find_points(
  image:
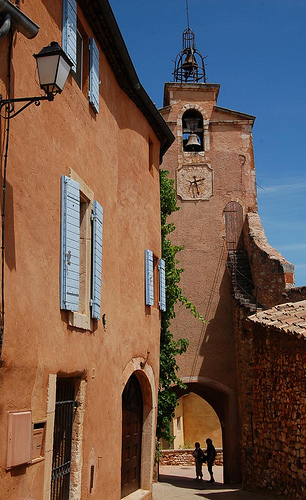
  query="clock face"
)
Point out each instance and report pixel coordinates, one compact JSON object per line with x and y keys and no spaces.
{"x":194,"y":182}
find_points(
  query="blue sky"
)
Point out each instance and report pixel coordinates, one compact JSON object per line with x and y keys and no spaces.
{"x":256,"y":50}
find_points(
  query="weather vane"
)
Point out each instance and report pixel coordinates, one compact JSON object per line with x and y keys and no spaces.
{"x":187,"y":10}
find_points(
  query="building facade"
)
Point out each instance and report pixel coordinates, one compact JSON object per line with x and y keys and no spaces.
{"x":80,"y":345}
{"x":229,"y":268}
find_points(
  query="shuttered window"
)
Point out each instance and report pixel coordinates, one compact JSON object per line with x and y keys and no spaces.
{"x":162,"y":285}
{"x":97,"y":230}
{"x":94,"y":75}
{"x":149,"y":278}
{"x":70,"y":243}
{"x":69,"y":30}
{"x":81,"y":263}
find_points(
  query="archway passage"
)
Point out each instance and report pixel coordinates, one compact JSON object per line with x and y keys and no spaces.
{"x":195,"y":420}
{"x":132,"y":411}
{"x":225,"y":404}
{"x":233,"y":213}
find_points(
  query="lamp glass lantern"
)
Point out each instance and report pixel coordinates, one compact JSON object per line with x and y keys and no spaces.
{"x":53,"y":66}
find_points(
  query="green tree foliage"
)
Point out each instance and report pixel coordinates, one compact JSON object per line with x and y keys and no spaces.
{"x":170,"y":348}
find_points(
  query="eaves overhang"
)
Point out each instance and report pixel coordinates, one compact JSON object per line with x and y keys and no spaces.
{"x":242,"y":116}
{"x":107,"y":33}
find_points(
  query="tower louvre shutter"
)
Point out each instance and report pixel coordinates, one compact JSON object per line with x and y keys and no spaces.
{"x":70,"y":243}
{"x":69,"y":39}
{"x":97,"y":232}
{"x":149,"y":279}
{"x":162,"y":285}
{"x":94,"y":75}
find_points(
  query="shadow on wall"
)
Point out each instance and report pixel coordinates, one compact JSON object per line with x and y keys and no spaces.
{"x":9,"y":242}
{"x":217,"y":348}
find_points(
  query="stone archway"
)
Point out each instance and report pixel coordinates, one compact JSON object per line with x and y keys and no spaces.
{"x":224,"y":402}
{"x":195,"y":420}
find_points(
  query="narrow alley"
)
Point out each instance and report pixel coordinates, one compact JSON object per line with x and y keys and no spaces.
{"x":177,"y":483}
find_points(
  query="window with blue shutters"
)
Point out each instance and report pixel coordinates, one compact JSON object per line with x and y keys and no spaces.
{"x":149,"y":269}
{"x":69,"y":30}
{"x":81,"y":252}
{"x":162,"y":285}
{"x":70,"y":242}
{"x":94,"y":80}
{"x":97,"y":230}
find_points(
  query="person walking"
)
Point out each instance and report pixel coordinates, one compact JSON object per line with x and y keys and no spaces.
{"x":198,"y":457}
{"x":210,"y":456}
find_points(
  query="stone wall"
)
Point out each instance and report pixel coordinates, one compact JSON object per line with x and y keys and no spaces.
{"x":279,"y":412}
{"x":184,"y":457}
{"x":244,"y":371}
{"x":272,"y":273}
{"x":294,"y":294}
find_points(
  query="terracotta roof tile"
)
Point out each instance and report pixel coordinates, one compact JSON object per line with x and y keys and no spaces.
{"x":289,"y":317}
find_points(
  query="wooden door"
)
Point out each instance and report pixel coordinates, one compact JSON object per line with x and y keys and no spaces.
{"x":233,"y":213}
{"x":132,"y":410}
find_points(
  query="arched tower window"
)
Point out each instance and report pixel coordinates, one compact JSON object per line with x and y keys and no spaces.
{"x":192,"y":122}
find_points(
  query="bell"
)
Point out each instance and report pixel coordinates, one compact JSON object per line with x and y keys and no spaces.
{"x":193,"y":143}
{"x":189,"y":62}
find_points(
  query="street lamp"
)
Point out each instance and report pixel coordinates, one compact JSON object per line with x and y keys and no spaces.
{"x":53,"y":69}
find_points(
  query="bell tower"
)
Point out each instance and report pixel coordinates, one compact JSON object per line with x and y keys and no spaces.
{"x":212,"y":164}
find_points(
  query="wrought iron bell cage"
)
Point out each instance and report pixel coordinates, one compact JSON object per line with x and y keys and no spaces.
{"x":189,"y":63}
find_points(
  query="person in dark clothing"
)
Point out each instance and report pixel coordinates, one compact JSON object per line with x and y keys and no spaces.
{"x":198,"y":457}
{"x":211,"y":455}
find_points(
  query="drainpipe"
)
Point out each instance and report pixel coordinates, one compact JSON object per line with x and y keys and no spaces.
{"x":6,"y":25}
{"x":19,"y":20}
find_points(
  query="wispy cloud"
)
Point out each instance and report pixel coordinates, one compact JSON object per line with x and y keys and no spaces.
{"x":292,"y":246}
{"x":300,"y":266}
{"x":282,"y":188}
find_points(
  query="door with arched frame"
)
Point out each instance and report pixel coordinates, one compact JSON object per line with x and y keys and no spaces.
{"x":132,"y":417}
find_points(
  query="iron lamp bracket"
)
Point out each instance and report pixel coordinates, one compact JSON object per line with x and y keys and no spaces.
{"x":9,"y":104}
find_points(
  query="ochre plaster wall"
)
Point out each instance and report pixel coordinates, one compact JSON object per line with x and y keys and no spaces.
{"x":110,"y":152}
{"x":200,"y":422}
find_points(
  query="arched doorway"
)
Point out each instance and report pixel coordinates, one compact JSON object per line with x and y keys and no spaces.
{"x":132,"y":414}
{"x":195,"y":420}
{"x":233,"y":213}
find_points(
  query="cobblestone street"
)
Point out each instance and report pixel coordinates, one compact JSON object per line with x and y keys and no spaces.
{"x":177,"y":483}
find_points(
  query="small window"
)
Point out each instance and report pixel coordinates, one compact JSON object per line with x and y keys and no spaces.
{"x":155,"y":289}
{"x":78,"y":72}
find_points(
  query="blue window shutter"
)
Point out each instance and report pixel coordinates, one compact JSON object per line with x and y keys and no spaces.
{"x":97,"y":231}
{"x":70,"y":244}
{"x":69,"y":39}
{"x":149,"y":279}
{"x":162,"y":285}
{"x":94,"y":81}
